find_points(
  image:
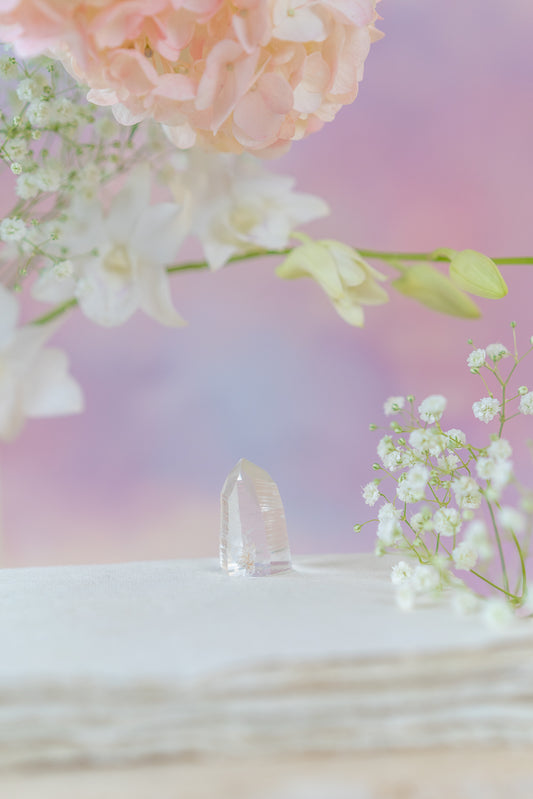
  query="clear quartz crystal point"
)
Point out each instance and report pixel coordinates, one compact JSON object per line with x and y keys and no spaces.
{"x":253,"y":532}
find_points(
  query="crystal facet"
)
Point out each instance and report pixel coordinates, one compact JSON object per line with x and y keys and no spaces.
{"x":253,"y":532}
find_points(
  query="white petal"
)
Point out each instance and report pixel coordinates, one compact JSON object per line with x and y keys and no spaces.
{"x":217,"y":253}
{"x":9,"y":311}
{"x":26,"y":344}
{"x":305,"y":207}
{"x":351,"y":270}
{"x":155,"y":298}
{"x":350,"y":312}
{"x":275,"y":186}
{"x":11,"y":415}
{"x":128,"y":205}
{"x":182,"y":136}
{"x":105,"y":298}
{"x":368,"y":293}
{"x":313,"y":260}
{"x":274,"y":232}
{"x":124,"y":116}
{"x":278,"y":223}
{"x":85,"y":229}
{"x":49,"y":390}
{"x":102,"y":97}
{"x":159,"y":234}
{"x":49,"y":288}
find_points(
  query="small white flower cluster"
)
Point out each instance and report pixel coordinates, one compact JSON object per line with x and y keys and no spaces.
{"x":526,"y":403}
{"x":493,"y":352}
{"x":12,"y":229}
{"x":58,"y":147}
{"x":489,"y":408}
{"x":442,"y":500}
{"x":412,"y":582}
{"x":393,"y":405}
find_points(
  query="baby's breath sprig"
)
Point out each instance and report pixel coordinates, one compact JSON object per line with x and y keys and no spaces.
{"x":445,"y":502}
{"x":57,"y":147}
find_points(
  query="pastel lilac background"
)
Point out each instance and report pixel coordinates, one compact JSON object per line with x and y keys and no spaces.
{"x":436,"y":151}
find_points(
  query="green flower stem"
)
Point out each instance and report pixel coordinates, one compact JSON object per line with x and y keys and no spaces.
{"x":55,"y":312}
{"x":376,"y":254}
{"x":504,"y":385}
{"x":379,"y":255}
{"x":497,"y":587}
{"x":463,"y":464}
{"x":522,"y":565}
{"x":500,"y":547}
{"x":526,"y":353}
{"x":513,"y":416}
{"x":412,"y":547}
{"x":133,"y":131}
{"x":235,"y":259}
{"x":440,"y":503}
{"x":513,"y":261}
{"x":429,"y":256}
{"x":485,"y":384}
{"x":481,"y":577}
{"x":502,"y":412}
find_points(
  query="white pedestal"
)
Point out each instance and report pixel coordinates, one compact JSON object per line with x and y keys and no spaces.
{"x":166,"y":661}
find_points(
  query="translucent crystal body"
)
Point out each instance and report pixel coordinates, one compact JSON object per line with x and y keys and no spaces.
{"x":253,"y":531}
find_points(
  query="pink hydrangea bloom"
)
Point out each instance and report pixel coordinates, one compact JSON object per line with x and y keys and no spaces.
{"x":227,"y":74}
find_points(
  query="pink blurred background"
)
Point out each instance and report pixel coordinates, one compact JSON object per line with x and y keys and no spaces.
{"x":436,"y":151}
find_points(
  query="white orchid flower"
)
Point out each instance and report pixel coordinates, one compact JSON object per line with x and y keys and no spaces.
{"x":235,"y":207}
{"x":34,"y":380}
{"x":117,"y":261}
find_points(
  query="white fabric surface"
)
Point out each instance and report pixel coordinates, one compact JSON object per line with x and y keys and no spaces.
{"x":179,"y":620}
{"x":123,"y":662}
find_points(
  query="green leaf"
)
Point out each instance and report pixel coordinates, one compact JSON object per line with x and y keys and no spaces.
{"x":430,"y":287}
{"x":477,"y":274}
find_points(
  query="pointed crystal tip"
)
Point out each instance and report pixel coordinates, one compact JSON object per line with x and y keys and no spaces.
{"x":253,"y":531}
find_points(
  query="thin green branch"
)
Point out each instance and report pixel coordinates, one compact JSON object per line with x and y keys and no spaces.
{"x":513,"y":261}
{"x":375,"y":254}
{"x":502,"y":412}
{"x":234,"y":259}
{"x":500,"y":547}
{"x":497,"y":587}
{"x":55,"y":312}
{"x":522,"y":565}
{"x":379,"y":255}
{"x":429,"y":256}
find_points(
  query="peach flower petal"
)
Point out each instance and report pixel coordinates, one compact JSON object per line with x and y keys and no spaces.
{"x":224,"y":74}
{"x":259,"y":116}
